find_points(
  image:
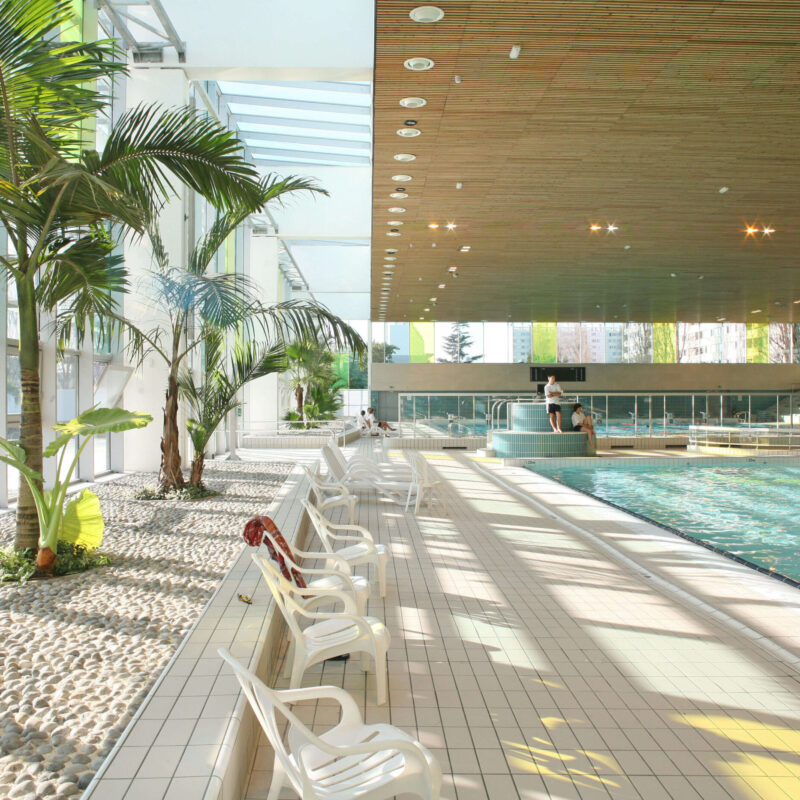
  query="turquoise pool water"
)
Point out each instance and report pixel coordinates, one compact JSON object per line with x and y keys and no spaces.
{"x":750,"y":510}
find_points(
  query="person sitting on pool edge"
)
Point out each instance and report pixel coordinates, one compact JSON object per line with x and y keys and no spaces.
{"x":378,"y":423}
{"x":583,"y":422}
{"x":552,"y":393}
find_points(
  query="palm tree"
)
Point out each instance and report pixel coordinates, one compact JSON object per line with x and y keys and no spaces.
{"x":310,"y":363}
{"x":191,"y":294}
{"x":216,"y":394}
{"x":58,"y":200}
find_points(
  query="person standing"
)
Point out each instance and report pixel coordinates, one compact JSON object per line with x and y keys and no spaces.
{"x":552,"y":396}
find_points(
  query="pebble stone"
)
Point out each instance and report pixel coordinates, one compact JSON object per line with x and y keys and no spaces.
{"x":81,"y":652}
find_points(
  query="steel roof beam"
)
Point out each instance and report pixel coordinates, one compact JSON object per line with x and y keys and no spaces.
{"x":287,"y":122}
{"x":318,"y":157}
{"x":288,"y":139}
{"x":297,"y":105}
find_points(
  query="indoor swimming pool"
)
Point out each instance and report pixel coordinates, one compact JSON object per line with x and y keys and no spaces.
{"x":747,"y":509}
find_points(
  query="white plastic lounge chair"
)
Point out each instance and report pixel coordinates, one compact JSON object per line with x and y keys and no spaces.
{"x":329,"y":634}
{"x":361,"y":550}
{"x":351,"y":760}
{"x":360,"y":463}
{"x":330,"y":495}
{"x":359,"y":478}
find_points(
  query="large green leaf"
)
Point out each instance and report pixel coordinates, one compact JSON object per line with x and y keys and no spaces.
{"x":83,"y":524}
{"x":97,"y":421}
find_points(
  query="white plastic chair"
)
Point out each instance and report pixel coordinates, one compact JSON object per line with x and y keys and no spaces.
{"x":329,"y":634}
{"x":424,"y":485}
{"x":358,"y":463}
{"x":362,"y":549}
{"x":351,"y":760}
{"x":333,"y":581}
{"x":330,"y":495}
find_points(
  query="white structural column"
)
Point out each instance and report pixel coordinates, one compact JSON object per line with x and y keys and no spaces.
{"x":261,"y":397}
{"x":147,"y":387}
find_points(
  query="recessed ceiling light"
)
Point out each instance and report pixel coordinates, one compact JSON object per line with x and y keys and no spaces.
{"x":459,"y":185}
{"x":451,"y":226}
{"x":442,"y":285}
{"x":433,"y":244}
{"x":433,"y":224}
{"x":397,"y":210}
{"x":434,"y":299}
{"x":401,"y":178}
{"x":720,"y":319}
{"x":515,"y":51}
{"x":398,"y":196}
{"x":796,"y":301}
{"x":750,"y":230}
{"x":426,"y":309}
{"x":410,"y":122}
{"x":452,"y":269}
{"x":413,"y":102}
{"x":673,"y":275}
{"x":595,"y":227}
{"x":700,"y":277}
{"x":426,"y":14}
{"x":611,"y":227}
{"x":390,"y":250}
{"x":409,"y":133}
{"x":465,"y":248}
{"x":419,"y":63}
{"x":723,"y":189}
{"x":627,"y":247}
{"x":422,"y":317}
{"x":404,"y":157}
{"x":767,"y":231}
{"x":390,"y":258}
{"x":457,"y":78}
{"x":756,"y":311}
{"x":395,"y":222}
{"x":392,"y":233}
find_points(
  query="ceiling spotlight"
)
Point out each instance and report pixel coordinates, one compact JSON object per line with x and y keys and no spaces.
{"x":422,"y":317}
{"x":767,"y":231}
{"x":404,"y":157}
{"x":451,"y":226}
{"x":720,"y":319}
{"x":427,"y":308}
{"x":611,"y":227}
{"x":434,"y":299}
{"x":409,"y":133}
{"x":595,"y":227}
{"x":459,"y":185}
{"x":756,"y":311}
{"x":452,"y":269}
{"x":515,"y":51}
{"x":395,"y":222}
{"x":398,"y":196}
{"x":426,"y":14}
{"x":673,"y":275}
{"x":723,"y":189}
{"x":750,"y":230}
{"x":401,"y":178}
{"x":397,"y":210}
{"x":442,"y":285}
{"x":392,"y":233}
{"x":465,"y":248}
{"x":418,"y":64}
{"x":433,"y":224}
{"x":796,"y":301}
{"x":390,"y":250}
{"x":627,"y":247}
{"x":457,"y":78}
{"x":390,"y":258}
{"x":433,"y":244}
{"x":700,"y":277}
{"x":413,"y":102}
{"x":410,"y":122}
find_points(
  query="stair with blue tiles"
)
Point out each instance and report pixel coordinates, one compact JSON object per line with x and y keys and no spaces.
{"x":531,"y":436}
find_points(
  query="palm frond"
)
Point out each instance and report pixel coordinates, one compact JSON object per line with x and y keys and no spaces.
{"x":150,"y":146}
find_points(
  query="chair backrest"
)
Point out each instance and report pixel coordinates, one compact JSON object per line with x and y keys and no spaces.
{"x":334,"y":467}
{"x":282,"y":590}
{"x":314,"y":481}
{"x":320,"y":524}
{"x":267,"y":705}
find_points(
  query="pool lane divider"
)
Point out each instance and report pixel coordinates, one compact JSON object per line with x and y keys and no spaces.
{"x":758,"y":639}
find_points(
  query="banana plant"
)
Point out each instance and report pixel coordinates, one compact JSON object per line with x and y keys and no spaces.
{"x":81,"y":522}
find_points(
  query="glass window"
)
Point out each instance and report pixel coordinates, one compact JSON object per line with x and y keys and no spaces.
{"x":379,"y":350}
{"x":637,"y":343}
{"x":496,"y":342}
{"x":13,"y":385}
{"x":67,"y":403}
{"x":613,"y":342}
{"x":568,"y":342}
{"x":780,"y":343}
{"x":397,"y":336}
{"x":593,"y":343}
{"x":521,"y":342}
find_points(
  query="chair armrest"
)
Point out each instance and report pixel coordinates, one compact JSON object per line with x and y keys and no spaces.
{"x":345,"y":527}
{"x":410,"y":750}
{"x":355,"y":619}
{"x":347,"y":580}
{"x":325,"y":556}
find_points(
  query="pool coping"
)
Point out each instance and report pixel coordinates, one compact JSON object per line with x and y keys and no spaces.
{"x":703,"y":462}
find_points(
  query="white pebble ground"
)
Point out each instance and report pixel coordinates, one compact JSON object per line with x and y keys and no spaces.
{"x":79,"y":653}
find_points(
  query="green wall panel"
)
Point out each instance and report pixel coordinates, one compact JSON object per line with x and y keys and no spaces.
{"x":421,"y":342}
{"x":341,"y":367}
{"x":664,"y":339}
{"x":757,"y":342}
{"x":544,"y":342}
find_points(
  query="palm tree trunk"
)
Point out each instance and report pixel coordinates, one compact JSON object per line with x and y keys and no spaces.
{"x":298,"y":396}
{"x":198,"y":464}
{"x":171,"y":477}
{"x":27,"y":536}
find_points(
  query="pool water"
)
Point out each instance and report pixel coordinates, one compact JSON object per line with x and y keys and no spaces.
{"x":749,"y":510}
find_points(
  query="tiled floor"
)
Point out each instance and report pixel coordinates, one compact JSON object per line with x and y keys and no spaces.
{"x":545,"y":646}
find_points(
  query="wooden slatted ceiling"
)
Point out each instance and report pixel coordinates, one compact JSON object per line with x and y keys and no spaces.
{"x":634,"y":113}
